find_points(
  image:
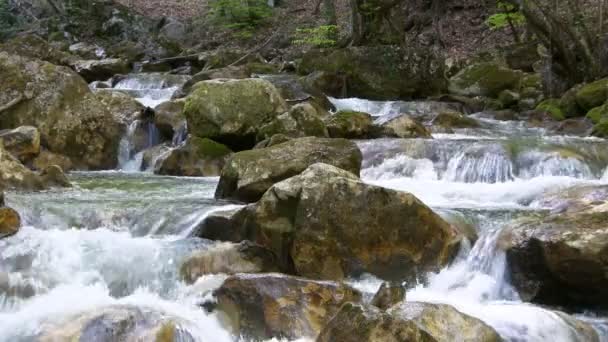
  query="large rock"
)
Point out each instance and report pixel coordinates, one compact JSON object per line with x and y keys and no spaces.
{"x":197,"y":157}
{"x":100,"y":70}
{"x":228,"y":258}
{"x":248,"y":174}
{"x":447,"y":121}
{"x":13,"y":175}
{"x":485,"y":79}
{"x":410,"y":322}
{"x":327,"y":224}
{"x":275,"y":305}
{"x":169,"y":117}
{"x":226,"y":225}
{"x":561,"y":259}
{"x":592,"y":95}
{"x":376,"y":72}
{"x":22,"y":142}
{"x":232,"y":111}
{"x":118,"y":323}
{"x":349,"y":125}
{"x":34,"y":47}
{"x":400,"y":126}
{"x":10,"y":222}
{"x":46,"y":159}
{"x":71,"y":120}
{"x":302,"y":120}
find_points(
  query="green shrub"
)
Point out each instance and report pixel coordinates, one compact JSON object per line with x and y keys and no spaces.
{"x":244,"y":16}
{"x":509,"y":15}
{"x":321,"y":36}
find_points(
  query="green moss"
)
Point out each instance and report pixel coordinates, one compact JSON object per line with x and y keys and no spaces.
{"x":485,"y":79}
{"x":262,"y":68}
{"x":552,"y":107}
{"x":209,"y":148}
{"x":593,"y":94}
{"x":597,"y":114}
{"x":531,"y":81}
{"x":601,"y":129}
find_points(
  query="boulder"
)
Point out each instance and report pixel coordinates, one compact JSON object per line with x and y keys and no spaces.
{"x":100,"y":70}
{"x":87,"y":51}
{"x":169,"y":117}
{"x":118,"y":323}
{"x":274,"y":305}
{"x":553,"y":108}
{"x":22,"y":142}
{"x":226,"y":225}
{"x":328,"y":224}
{"x":400,"y":126}
{"x":248,"y":174}
{"x":230,"y":72}
{"x":71,"y":120}
{"x":376,"y":72}
{"x":389,"y":294}
{"x":224,"y":57}
{"x":228,"y":258}
{"x":13,"y":175}
{"x":560,"y":259}
{"x":10,"y":222}
{"x":410,"y":322}
{"x":302,"y":120}
{"x":593,"y":94}
{"x":152,"y":156}
{"x":34,"y":47}
{"x":598,"y":114}
{"x":447,"y":121}
{"x":273,"y":140}
{"x":485,"y":79}
{"x":349,"y":125}
{"x":569,"y":104}
{"x":53,"y":176}
{"x":197,"y":157}
{"x":46,"y":159}
{"x":232,"y":111}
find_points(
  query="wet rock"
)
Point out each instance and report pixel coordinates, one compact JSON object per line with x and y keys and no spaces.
{"x":560,"y":259}
{"x":445,"y":323}
{"x":302,"y":120}
{"x":330,"y":225}
{"x":232,"y":111}
{"x":248,"y":174}
{"x":357,"y":323}
{"x":409,"y":321}
{"x":10,"y":222}
{"x":100,"y":70}
{"x":198,"y":157}
{"x":53,"y":176}
{"x":71,"y":120}
{"x":46,"y":159}
{"x":15,"y":287}
{"x":169,"y":117}
{"x":153,"y":155}
{"x":375,"y":72}
{"x":577,"y":126}
{"x":389,"y":294}
{"x":228,"y":258}
{"x":485,"y":79}
{"x":447,"y":121}
{"x":274,"y":305}
{"x":22,"y":142}
{"x":593,"y":94}
{"x":227,"y":225}
{"x":349,"y":125}
{"x":118,"y":323}
{"x":400,"y":126}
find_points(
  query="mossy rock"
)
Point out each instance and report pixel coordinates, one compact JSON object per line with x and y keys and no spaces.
{"x":485,"y":79}
{"x":198,"y":157}
{"x":569,"y":105}
{"x":349,"y":124}
{"x":593,"y":94}
{"x":600,"y":129}
{"x":232,"y":111}
{"x":598,"y":114}
{"x":302,"y":120}
{"x":508,"y":98}
{"x":552,"y":107}
{"x":532,"y":81}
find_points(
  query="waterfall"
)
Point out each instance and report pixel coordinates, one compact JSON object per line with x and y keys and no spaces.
{"x":485,"y":165}
{"x":130,"y":155}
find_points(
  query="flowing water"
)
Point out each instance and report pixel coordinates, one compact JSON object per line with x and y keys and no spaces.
{"x":118,"y":238}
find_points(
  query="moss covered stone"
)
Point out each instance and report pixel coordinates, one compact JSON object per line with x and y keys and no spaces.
{"x":598,"y":114}
{"x":349,"y":124}
{"x":593,"y":94}
{"x":552,"y":107}
{"x":232,"y":111}
{"x":302,"y":120}
{"x":485,"y":79}
{"x":198,"y":157}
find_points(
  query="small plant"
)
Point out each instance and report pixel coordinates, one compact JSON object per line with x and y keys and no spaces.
{"x":244,"y":16}
{"x":321,"y":36}
{"x":509,"y":16}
